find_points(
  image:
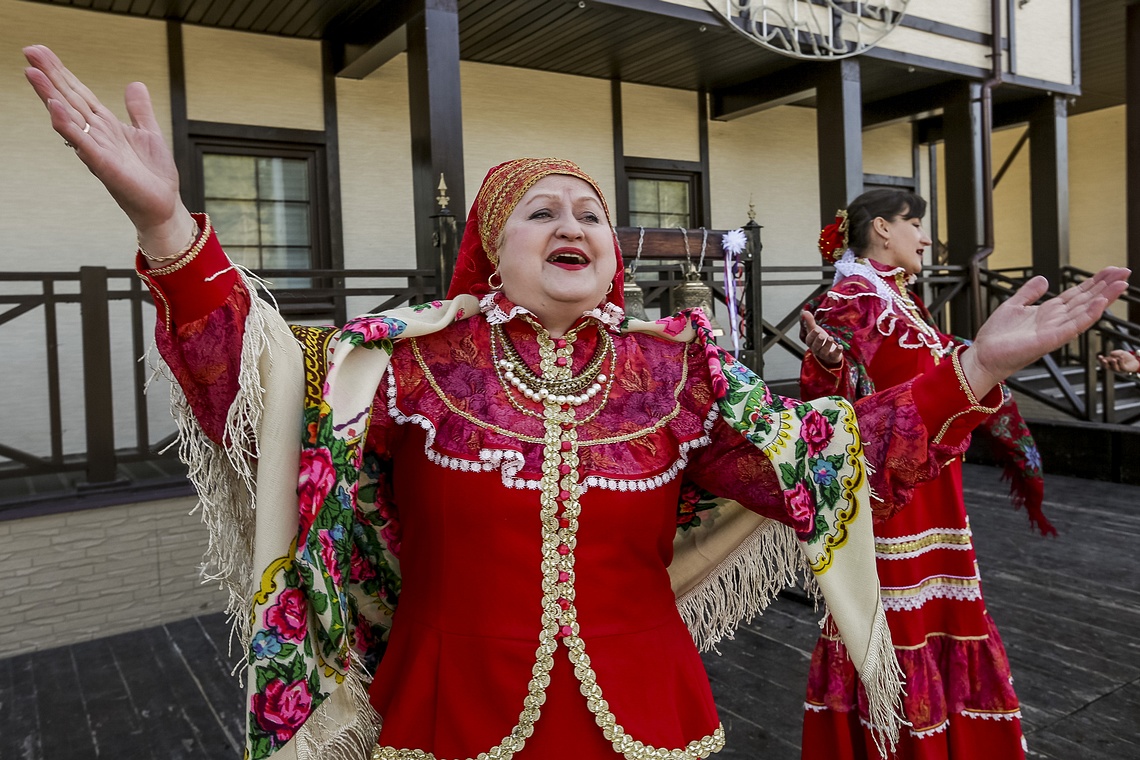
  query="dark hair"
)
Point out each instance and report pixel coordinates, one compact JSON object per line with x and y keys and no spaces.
{"x":886,"y":202}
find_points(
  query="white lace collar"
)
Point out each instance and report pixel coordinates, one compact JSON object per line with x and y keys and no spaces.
{"x":498,"y":309}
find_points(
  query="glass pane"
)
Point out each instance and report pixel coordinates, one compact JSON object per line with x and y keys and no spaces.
{"x":288,"y":258}
{"x":246,"y":256}
{"x":228,"y":176}
{"x":285,"y":224}
{"x":675,"y":220}
{"x":235,"y":221}
{"x":643,"y":195}
{"x":674,"y":197}
{"x":643,"y":219}
{"x":283,"y":179}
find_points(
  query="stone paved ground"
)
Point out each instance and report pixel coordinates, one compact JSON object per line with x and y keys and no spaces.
{"x":1068,"y":610}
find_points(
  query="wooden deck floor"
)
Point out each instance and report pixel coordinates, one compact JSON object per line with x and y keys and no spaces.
{"x":1068,"y":610}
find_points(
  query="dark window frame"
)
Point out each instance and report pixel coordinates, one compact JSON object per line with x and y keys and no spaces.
{"x":664,"y":169}
{"x":276,"y":142}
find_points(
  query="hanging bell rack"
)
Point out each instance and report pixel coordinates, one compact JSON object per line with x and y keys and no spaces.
{"x":661,"y":251}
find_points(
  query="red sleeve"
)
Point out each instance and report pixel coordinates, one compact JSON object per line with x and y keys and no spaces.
{"x":846,"y":313}
{"x":202,"y":306}
{"x":911,"y":430}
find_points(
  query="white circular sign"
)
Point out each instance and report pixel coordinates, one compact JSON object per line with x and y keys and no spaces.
{"x":812,"y":29}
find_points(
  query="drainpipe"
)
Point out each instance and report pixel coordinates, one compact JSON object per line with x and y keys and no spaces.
{"x":988,"y":85}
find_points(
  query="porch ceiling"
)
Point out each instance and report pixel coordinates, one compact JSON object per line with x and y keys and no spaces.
{"x":640,"y":41}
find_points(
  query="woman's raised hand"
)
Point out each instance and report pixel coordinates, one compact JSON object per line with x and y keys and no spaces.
{"x":131,"y":160}
{"x":827,"y":351}
{"x":1120,"y":361}
{"x":1018,"y":333}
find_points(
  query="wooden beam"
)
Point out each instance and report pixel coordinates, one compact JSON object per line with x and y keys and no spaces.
{"x":839,"y":127}
{"x":909,"y":105}
{"x":962,"y":128}
{"x":435,"y":106}
{"x":374,"y":39}
{"x":1049,"y":187}
{"x":790,"y":85}
{"x":1132,"y":140}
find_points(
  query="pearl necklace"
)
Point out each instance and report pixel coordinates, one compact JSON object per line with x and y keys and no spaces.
{"x":575,"y":391}
{"x":910,"y":311}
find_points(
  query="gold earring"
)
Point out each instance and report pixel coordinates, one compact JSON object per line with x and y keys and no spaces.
{"x":610,"y":289}
{"x":492,"y":285}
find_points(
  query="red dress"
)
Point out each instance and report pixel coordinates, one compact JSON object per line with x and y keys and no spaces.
{"x":960,"y":699}
{"x":465,"y":465}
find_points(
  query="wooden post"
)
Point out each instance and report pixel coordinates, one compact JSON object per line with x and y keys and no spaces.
{"x":962,"y":131}
{"x":436,"y":116}
{"x":97,"y":397}
{"x":839,"y":130}
{"x":1132,"y":111}
{"x":1049,"y":187}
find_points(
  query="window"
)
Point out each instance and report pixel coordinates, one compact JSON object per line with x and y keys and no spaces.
{"x":663,"y":193}
{"x":659,"y":203}
{"x":262,"y":207}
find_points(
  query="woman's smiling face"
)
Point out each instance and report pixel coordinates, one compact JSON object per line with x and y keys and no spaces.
{"x":556,"y":255}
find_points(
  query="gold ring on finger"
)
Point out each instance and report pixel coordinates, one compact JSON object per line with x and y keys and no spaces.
{"x":86,"y":127}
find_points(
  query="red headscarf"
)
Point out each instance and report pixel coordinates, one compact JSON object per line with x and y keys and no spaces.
{"x":502,"y":189}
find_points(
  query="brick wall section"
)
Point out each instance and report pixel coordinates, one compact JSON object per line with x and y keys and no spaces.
{"x":85,"y":575}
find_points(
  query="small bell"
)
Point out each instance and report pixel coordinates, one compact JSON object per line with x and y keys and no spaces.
{"x":634,"y":298}
{"x":695,"y":292}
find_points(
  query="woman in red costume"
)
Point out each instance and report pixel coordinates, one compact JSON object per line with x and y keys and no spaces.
{"x":867,"y":334}
{"x":488,"y":490}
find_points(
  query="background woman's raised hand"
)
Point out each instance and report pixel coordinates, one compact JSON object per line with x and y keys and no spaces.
{"x":131,"y":160}
{"x":1120,"y":361}
{"x":827,"y":352}
{"x":1018,"y":333}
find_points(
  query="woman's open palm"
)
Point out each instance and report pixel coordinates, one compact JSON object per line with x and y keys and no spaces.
{"x":131,"y":160}
{"x":1018,"y":332}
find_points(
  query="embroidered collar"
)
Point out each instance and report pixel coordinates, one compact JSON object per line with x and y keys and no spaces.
{"x":498,"y":309}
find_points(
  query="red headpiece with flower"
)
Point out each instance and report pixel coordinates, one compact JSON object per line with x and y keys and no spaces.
{"x":833,"y":238}
{"x":502,"y":189}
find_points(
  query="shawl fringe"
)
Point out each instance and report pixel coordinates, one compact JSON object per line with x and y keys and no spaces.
{"x":882,"y":680}
{"x":743,"y":584}
{"x":225,"y":476}
{"x":345,"y":725}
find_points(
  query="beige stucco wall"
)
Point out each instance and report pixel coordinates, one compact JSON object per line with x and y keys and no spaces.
{"x":660,"y":123}
{"x":279,"y":83}
{"x":770,"y":159}
{"x":1097,"y":186}
{"x":1043,"y":31}
{"x":1013,"y":243}
{"x":510,"y":112}
{"x":376,"y":173}
{"x":86,"y":575}
{"x":887,"y":150}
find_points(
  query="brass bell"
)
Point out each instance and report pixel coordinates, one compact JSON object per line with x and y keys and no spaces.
{"x":634,"y":298}
{"x":695,"y":292}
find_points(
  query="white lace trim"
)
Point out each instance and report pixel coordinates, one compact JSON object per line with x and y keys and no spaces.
{"x":849,"y":266}
{"x":648,"y":484}
{"x":809,"y":707}
{"x":609,"y":314}
{"x":956,"y":587}
{"x":992,"y":715}
{"x":511,"y":461}
{"x":925,"y":733}
{"x":489,"y":305}
{"x":934,"y":539}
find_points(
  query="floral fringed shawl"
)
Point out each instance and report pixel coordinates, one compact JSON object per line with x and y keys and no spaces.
{"x":859,"y":313}
{"x":314,"y":584}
